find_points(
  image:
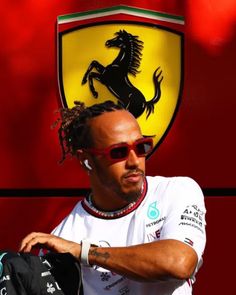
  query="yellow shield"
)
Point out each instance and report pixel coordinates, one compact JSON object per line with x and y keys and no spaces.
{"x":92,"y":69}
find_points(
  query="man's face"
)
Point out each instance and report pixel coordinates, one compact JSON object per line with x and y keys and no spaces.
{"x":124,"y":179}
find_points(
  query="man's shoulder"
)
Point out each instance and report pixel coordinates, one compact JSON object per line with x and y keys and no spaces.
{"x":172,"y":184}
{"x":170,"y":180}
{"x":174,"y":190}
{"x":67,"y":224}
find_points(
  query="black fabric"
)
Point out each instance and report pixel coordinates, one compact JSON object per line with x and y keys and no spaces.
{"x":25,"y":273}
{"x":67,"y":272}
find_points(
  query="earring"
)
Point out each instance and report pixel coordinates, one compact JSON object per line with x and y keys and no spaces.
{"x":86,"y":164}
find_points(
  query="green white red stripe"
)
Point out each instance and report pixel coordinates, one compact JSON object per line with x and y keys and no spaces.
{"x":114,"y":10}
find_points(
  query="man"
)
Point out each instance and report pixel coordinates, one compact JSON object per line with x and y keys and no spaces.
{"x":132,"y":234}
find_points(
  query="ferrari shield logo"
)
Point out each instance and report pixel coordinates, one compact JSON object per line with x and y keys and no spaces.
{"x":136,"y":64}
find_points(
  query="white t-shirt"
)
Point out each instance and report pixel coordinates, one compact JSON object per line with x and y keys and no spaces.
{"x":170,"y":208}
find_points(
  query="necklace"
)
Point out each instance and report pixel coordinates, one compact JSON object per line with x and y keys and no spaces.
{"x":88,"y":205}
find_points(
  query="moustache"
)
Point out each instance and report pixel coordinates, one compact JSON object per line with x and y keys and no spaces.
{"x":133,"y":172}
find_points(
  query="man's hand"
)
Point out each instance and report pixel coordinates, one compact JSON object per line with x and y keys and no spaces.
{"x":50,"y":242}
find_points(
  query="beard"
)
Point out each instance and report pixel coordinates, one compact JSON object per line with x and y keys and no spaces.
{"x":131,"y":196}
{"x":128,"y":193}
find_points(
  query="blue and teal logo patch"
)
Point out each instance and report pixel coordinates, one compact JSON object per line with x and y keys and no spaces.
{"x":153,"y":211}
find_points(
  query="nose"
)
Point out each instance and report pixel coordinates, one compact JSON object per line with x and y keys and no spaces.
{"x":132,"y":160}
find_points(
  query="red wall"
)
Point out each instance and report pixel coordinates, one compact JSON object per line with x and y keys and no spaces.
{"x":200,"y":144}
{"x":217,"y":273}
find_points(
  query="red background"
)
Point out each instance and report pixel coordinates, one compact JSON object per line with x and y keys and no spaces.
{"x":200,"y":144}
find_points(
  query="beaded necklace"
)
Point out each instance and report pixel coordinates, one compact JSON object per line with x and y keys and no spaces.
{"x":88,"y":205}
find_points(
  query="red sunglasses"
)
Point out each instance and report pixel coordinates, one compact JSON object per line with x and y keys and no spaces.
{"x":119,"y":152}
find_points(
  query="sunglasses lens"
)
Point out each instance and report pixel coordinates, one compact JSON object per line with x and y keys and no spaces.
{"x":143,"y":148}
{"x":119,"y":152}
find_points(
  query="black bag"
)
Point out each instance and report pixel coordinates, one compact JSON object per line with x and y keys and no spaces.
{"x":51,"y":274}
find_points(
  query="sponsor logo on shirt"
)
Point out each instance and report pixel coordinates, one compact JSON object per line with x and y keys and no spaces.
{"x":105,"y":276}
{"x":154,"y":236}
{"x":121,"y":279}
{"x":153,"y":211}
{"x":156,"y":231}
{"x":155,"y":222}
{"x":188,"y":241}
{"x":194,"y":211}
{"x":125,"y":290}
{"x":192,"y":225}
{"x":193,"y":216}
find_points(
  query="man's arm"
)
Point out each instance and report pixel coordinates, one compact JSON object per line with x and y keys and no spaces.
{"x":158,"y":260}
{"x":149,"y":262}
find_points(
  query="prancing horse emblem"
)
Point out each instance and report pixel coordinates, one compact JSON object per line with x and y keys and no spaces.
{"x":115,"y":75}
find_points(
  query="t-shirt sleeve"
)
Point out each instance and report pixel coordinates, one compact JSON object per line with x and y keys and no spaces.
{"x":186,"y":214}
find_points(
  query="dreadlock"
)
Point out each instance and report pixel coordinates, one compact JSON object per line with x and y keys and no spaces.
{"x":74,"y":130}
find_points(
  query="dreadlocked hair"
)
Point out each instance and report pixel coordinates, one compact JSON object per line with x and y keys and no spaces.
{"x":74,"y":130}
